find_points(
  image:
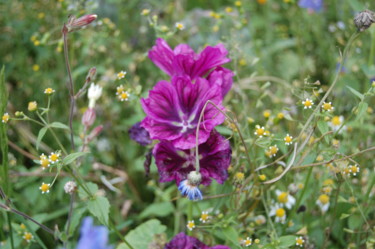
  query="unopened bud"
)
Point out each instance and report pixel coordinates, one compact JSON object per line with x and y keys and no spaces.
{"x":74,"y":23}
{"x":32,"y":106}
{"x":95,"y":132}
{"x":194,"y":178}
{"x":89,"y":117}
{"x":70,"y":187}
{"x":364,"y":19}
{"x":18,"y":114}
{"x":91,"y":75}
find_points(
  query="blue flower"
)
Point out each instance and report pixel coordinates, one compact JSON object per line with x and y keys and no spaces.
{"x":190,"y":191}
{"x":93,"y":237}
{"x":315,"y":5}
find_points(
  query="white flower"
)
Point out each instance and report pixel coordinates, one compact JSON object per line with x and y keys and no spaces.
{"x":279,"y":213}
{"x":336,"y":123}
{"x":94,"y":93}
{"x":323,"y":202}
{"x":285,"y":199}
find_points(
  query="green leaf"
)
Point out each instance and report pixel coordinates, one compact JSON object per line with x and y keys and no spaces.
{"x":161,"y":209}
{"x":72,"y":157}
{"x":231,"y":234}
{"x":343,"y":216}
{"x":143,"y":235}
{"x":323,"y":128}
{"x":355,"y":221}
{"x":287,"y":241}
{"x":74,"y":221}
{"x":59,"y":125}
{"x":99,"y":207}
{"x":361,"y":110}
{"x":356,"y":93}
{"x":92,"y":187}
{"x":41,"y":134}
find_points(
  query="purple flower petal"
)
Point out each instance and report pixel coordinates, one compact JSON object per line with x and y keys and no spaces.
{"x":315,"y":5}
{"x":222,"y":77}
{"x":139,"y":134}
{"x":93,"y":237}
{"x":173,"y":111}
{"x":183,"y":60}
{"x":183,"y":241}
{"x":175,"y":164}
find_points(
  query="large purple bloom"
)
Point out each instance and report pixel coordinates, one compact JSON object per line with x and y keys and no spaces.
{"x":93,"y":237}
{"x":183,"y":241}
{"x":315,"y":5}
{"x":173,"y":111}
{"x":174,"y":164}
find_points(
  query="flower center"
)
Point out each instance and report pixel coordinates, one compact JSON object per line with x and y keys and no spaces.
{"x":44,"y":187}
{"x":44,"y":162}
{"x":54,"y":157}
{"x":299,"y":241}
{"x":324,"y":199}
{"x":283,"y":197}
{"x":336,"y":120}
{"x":280,"y":212}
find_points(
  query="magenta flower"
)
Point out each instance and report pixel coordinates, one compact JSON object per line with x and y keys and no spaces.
{"x":174,"y":164}
{"x":184,"y":61}
{"x":183,"y":241}
{"x":173,"y":111}
{"x":222,"y":77}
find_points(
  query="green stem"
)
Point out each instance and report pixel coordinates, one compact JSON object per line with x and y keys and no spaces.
{"x":372,"y":51}
{"x":190,"y":213}
{"x":10,"y":230}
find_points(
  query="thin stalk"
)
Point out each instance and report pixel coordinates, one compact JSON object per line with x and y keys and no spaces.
{"x":190,"y":213}
{"x":372,"y":51}
{"x":10,"y":230}
{"x":70,"y":84}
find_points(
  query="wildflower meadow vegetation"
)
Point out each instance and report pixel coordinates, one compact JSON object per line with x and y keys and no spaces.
{"x":187,"y":124}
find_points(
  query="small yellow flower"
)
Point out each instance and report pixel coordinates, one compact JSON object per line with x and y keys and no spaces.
{"x":242,"y":62}
{"x":273,"y":150}
{"x":27,"y":236}
{"x":33,"y":38}
{"x":262,"y":177}
{"x":257,"y":241}
{"x":280,"y":115}
{"x":280,"y":215}
{"x":228,"y":9}
{"x":41,"y":15}
{"x":36,"y":67}
{"x":327,"y":106}
{"x":328,"y":182}
{"x":121,"y":75}
{"x":336,"y":120}
{"x":124,"y":96}
{"x":248,"y":242}
{"x":190,"y":225}
{"x":5,"y":118}
{"x":49,"y":91}
{"x":300,"y":241}
{"x":354,"y":169}
{"x":204,"y":217}
{"x":179,"y":26}
{"x":267,"y":113}
{"x":288,"y":139}
{"x":22,"y":226}
{"x":260,"y":131}
{"x":327,"y":190}
{"x":145,"y":12}
{"x":44,"y":162}
{"x":36,"y":43}
{"x":54,"y":157}
{"x":45,"y":188}
{"x":323,"y":202}
{"x":238,"y":3}
{"x":239,"y":177}
{"x":164,"y":28}
{"x":308,"y":103}
{"x":32,"y":106}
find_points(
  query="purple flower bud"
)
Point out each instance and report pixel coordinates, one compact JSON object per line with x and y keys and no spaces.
{"x":139,"y":134}
{"x":95,"y":132}
{"x":89,"y":117}
{"x":74,"y":23}
{"x":183,"y":241}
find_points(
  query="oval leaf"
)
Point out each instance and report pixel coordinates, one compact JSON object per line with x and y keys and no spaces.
{"x":41,"y":134}
{"x":72,"y":157}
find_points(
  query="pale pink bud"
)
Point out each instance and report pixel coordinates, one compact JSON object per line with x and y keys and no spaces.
{"x":74,"y":23}
{"x":89,"y":117}
{"x":95,"y":132}
{"x":91,"y":75}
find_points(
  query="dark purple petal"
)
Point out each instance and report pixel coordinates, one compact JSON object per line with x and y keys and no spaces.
{"x":93,"y":236}
{"x":175,"y":164}
{"x":173,"y":111}
{"x":147,"y":162}
{"x":139,"y":134}
{"x":209,"y":58}
{"x":222,"y":77}
{"x":162,"y":55}
{"x":184,"y":61}
{"x":183,"y":241}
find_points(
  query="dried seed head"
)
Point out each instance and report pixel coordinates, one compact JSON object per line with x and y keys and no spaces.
{"x":364,"y":19}
{"x":194,"y":178}
{"x":70,"y":187}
